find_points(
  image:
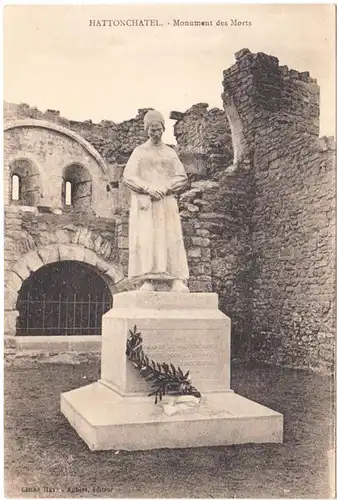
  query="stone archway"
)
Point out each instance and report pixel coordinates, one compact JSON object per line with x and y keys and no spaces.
{"x":65,"y":298}
{"x":30,"y":262}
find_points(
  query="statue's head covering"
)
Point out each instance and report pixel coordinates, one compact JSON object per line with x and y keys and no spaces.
{"x":153,"y":116}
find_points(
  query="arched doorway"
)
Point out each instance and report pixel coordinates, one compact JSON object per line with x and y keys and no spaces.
{"x":63,"y":298}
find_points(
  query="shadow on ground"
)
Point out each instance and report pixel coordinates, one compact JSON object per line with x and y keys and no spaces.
{"x":43,"y":451}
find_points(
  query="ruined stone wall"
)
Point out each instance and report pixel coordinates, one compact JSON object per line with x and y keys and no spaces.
{"x":114,"y":141}
{"x":216,"y":212}
{"x":293,"y":234}
{"x":266,"y":218}
{"x":215,"y":215}
{"x":204,"y":141}
{"x":275,"y":117}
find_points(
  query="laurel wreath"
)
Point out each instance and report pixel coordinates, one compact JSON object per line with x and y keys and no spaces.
{"x":165,"y":378}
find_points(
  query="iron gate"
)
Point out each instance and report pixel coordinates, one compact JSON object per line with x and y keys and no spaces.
{"x":70,"y":315}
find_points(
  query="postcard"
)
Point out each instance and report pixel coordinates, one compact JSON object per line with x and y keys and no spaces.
{"x":169,"y":299}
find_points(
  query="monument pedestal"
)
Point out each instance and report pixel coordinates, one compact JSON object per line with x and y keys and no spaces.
{"x":189,"y":331}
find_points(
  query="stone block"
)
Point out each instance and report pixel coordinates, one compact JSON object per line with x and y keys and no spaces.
{"x":115,"y":272}
{"x":10,"y":299}
{"x":33,"y":261}
{"x":203,"y":233}
{"x":206,"y":253}
{"x":47,"y":238}
{"x":213,"y":215}
{"x":192,"y":208}
{"x":241,"y":53}
{"x":194,"y":252}
{"x":166,"y":301}
{"x":105,"y":249}
{"x":197,"y":285}
{"x":202,"y":268}
{"x":89,"y":257}
{"x":189,"y":195}
{"x":71,"y":252}
{"x":85,"y":238}
{"x":123,"y":242}
{"x":13,"y":281}
{"x":21,"y":269}
{"x":49,"y":254}
{"x":76,"y":235}
{"x":57,"y":344}
{"x":62,"y":236}
{"x":10,"y":318}
{"x":102,"y":265}
{"x":188,"y":228}
{"x":205,"y":185}
{"x":9,"y":246}
{"x":98,"y":242}
{"x":9,"y":342}
{"x":200,"y":242}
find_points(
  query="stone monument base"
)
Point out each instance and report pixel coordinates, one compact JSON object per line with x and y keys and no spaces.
{"x":108,"y":421}
{"x":188,"y":330}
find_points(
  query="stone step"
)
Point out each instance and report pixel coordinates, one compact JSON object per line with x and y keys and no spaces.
{"x":108,"y":421}
{"x":57,"y":343}
{"x":165,"y":301}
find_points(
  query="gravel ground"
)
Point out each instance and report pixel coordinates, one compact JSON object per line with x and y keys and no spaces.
{"x":43,"y":451}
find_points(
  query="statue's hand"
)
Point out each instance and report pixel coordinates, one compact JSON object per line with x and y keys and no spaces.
{"x":156,"y":193}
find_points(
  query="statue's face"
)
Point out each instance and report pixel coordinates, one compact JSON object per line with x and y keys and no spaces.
{"x":155,"y":131}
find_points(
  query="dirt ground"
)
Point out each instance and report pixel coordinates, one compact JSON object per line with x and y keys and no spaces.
{"x":43,"y":452}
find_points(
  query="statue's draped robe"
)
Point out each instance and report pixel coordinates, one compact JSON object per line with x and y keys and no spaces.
{"x":155,"y":237}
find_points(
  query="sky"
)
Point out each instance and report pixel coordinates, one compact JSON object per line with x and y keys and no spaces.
{"x":54,"y":59}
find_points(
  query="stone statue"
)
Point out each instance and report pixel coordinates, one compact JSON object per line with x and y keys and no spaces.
{"x":153,"y":174}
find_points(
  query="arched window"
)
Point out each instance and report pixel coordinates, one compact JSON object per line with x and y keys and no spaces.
{"x":77,"y":187}
{"x":25,"y":183}
{"x":15,"y":188}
